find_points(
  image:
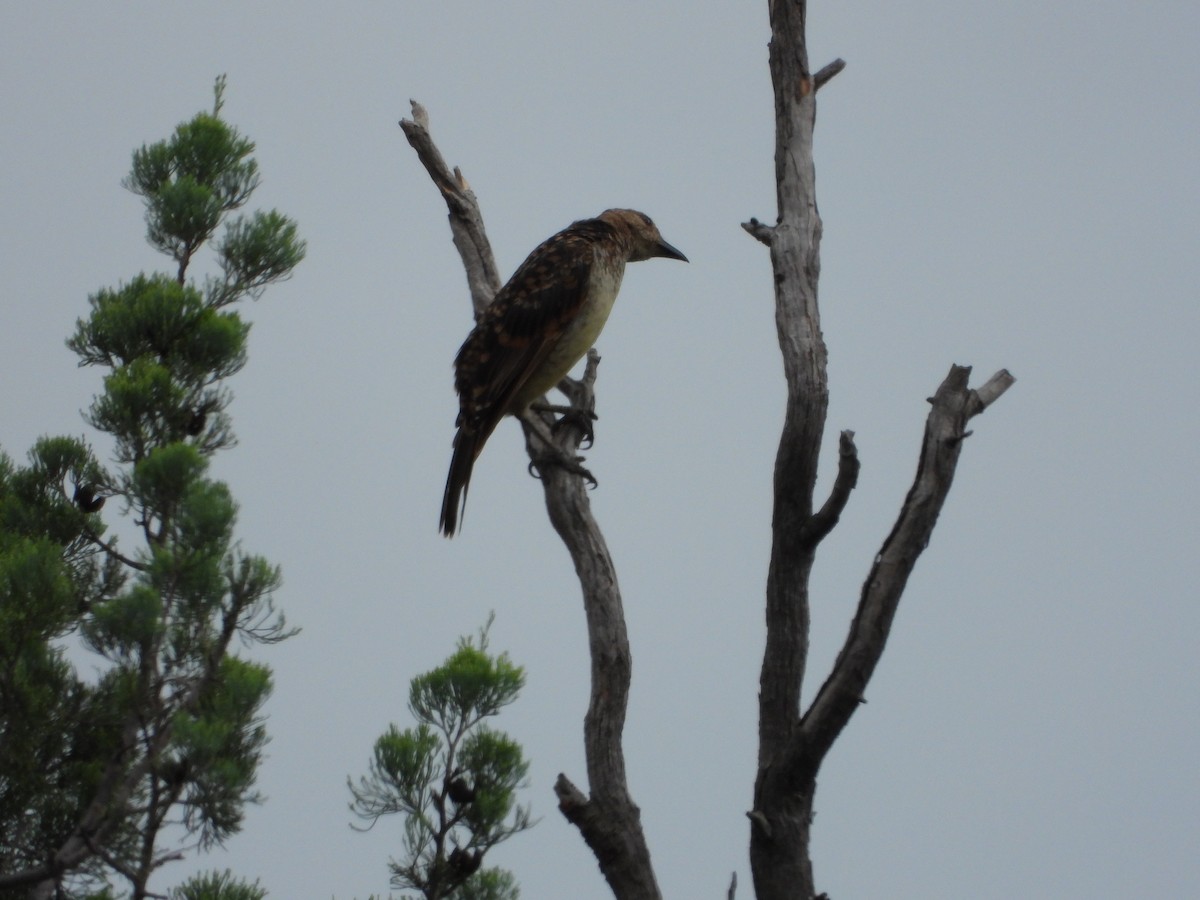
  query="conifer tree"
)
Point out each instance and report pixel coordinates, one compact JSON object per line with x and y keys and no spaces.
{"x":452,"y":778}
{"x":162,"y":725}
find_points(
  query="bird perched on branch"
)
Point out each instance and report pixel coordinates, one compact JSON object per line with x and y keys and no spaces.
{"x":537,"y":327}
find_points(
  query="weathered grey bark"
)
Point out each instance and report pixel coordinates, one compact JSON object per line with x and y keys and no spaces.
{"x":466,"y":221}
{"x":791,"y":746}
{"x":607,"y":817}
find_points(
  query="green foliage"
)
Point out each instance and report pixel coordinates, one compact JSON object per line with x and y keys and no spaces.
{"x":218,"y":886}
{"x":489,"y":884}
{"x":453,"y":779}
{"x":191,"y":180}
{"x":255,"y":252}
{"x":165,"y":726}
{"x":168,"y":348}
{"x":220,"y":744}
{"x":53,"y":727}
{"x":469,"y":685}
{"x":155,"y":317}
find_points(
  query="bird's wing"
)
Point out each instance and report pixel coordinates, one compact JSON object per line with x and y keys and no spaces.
{"x":519,"y":329}
{"x":511,"y":341}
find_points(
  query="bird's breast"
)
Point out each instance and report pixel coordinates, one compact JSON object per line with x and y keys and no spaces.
{"x":580,"y":334}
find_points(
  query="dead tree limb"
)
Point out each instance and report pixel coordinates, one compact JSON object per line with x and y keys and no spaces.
{"x":780,"y":818}
{"x":953,"y":404}
{"x":791,"y":746}
{"x":606,"y":817}
{"x":466,"y":221}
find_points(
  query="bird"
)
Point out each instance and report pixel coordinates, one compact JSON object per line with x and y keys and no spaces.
{"x":85,"y":498}
{"x":465,"y":862}
{"x":544,"y":319}
{"x":460,"y":791}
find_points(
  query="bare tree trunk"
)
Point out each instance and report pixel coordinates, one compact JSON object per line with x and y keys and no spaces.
{"x":791,"y":746}
{"x":607,"y":818}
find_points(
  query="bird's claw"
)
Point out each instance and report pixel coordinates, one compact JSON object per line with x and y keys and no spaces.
{"x":581,"y":419}
{"x":567,"y":463}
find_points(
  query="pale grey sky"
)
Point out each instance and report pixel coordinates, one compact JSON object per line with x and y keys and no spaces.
{"x":1003,"y":186}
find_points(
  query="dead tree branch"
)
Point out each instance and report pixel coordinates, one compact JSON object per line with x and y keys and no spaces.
{"x":827,"y":72}
{"x":824,"y":520}
{"x":792,"y":748}
{"x":781,"y":814}
{"x":607,"y":817}
{"x":953,"y":405}
{"x":466,"y":221}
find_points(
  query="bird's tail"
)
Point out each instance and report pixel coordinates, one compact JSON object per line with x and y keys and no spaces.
{"x":466,"y":449}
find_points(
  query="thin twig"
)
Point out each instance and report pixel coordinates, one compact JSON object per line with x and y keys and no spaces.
{"x":113,"y":551}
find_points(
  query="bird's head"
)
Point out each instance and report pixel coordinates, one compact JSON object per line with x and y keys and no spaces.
{"x":641,"y":234}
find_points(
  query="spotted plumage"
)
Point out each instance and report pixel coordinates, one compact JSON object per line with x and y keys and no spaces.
{"x":537,"y":327}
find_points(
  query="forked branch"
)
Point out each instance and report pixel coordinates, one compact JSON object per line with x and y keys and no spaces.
{"x":791,"y":747}
{"x":945,"y":428}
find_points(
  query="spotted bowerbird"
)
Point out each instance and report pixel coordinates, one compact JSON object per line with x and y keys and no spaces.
{"x":537,"y":327}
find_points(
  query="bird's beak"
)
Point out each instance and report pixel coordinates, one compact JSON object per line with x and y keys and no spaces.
{"x":666,"y":250}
